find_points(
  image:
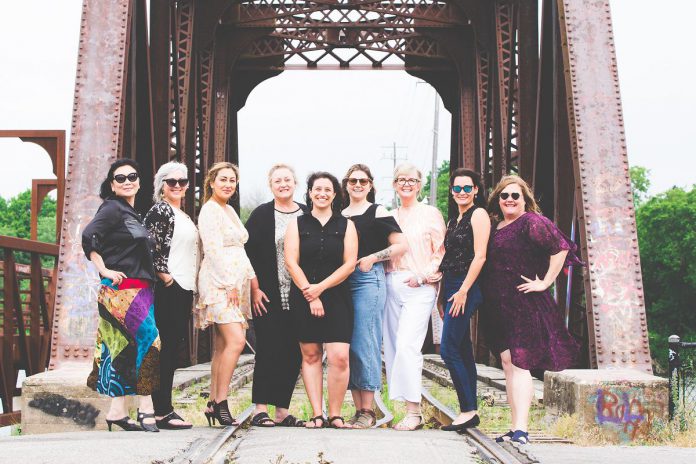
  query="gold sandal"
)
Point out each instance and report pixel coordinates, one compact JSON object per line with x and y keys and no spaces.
{"x":402,"y":425}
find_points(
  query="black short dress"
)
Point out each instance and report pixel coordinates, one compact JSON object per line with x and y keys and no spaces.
{"x":321,"y":253}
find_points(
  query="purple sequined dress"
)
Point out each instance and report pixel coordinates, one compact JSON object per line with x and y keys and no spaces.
{"x":530,"y":325}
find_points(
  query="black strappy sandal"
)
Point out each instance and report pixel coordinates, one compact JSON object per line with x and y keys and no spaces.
{"x":331,"y":425}
{"x":290,"y":421}
{"x":165,"y":422}
{"x":147,"y":427}
{"x":262,"y":420}
{"x":314,"y":421}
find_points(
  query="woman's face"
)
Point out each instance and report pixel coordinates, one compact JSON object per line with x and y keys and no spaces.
{"x":511,"y":201}
{"x":282,"y":184}
{"x":322,"y":193}
{"x":176,"y":193}
{"x":462,"y":184}
{"x":359,"y":185}
{"x":225,"y":184}
{"x":407,"y":185}
{"x":125,"y":183}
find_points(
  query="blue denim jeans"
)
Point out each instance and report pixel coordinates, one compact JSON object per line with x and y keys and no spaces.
{"x":455,"y":348}
{"x":369,"y":297}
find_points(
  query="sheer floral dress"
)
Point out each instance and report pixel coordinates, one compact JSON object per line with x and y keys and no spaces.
{"x":530,"y":325}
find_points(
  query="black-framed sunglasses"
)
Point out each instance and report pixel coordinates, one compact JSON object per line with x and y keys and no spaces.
{"x":121,"y":178}
{"x":363,"y":181}
{"x":514,"y":195}
{"x":465,"y":188}
{"x":172,"y":182}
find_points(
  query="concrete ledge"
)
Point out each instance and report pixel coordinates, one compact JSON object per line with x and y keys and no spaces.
{"x":625,"y":404}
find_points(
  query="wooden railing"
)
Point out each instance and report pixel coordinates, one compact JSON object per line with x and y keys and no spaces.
{"x":25,"y":315}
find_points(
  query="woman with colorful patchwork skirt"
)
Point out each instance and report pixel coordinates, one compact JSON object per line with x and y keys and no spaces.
{"x":126,"y":358}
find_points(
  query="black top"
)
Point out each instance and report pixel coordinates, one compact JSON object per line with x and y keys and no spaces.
{"x":261,"y":250}
{"x":321,"y":247}
{"x":459,"y":244}
{"x":117,"y":234}
{"x":373,"y":232}
{"x":160,"y":220}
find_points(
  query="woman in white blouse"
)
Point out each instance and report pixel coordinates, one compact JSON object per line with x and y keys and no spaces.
{"x":176,"y":263}
{"x":223,"y":282}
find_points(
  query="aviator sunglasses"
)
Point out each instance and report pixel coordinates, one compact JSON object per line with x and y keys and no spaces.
{"x":465,"y":188}
{"x":121,"y":178}
{"x":514,"y":195}
{"x":363,"y":182}
{"x":172,"y":182}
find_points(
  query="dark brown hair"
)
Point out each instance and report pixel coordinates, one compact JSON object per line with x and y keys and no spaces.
{"x":344,"y":183}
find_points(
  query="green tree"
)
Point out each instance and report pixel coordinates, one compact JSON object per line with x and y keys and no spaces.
{"x":442,"y":193}
{"x":667,"y":241}
{"x":640,"y":183}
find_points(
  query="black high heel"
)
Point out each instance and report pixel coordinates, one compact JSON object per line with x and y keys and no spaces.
{"x":124,"y":424}
{"x":222,"y":413}
{"x":210,"y":415}
{"x":147,"y":427}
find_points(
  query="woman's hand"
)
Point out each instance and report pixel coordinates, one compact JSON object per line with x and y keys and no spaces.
{"x":316,"y":307}
{"x":115,"y":276}
{"x":366,"y":262}
{"x":536,"y":285}
{"x":413,"y":282}
{"x":233,"y":297}
{"x":257,"y":299}
{"x":312,"y":292}
{"x":458,"y":303}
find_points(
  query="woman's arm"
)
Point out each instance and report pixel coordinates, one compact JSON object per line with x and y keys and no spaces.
{"x":481,"y":227}
{"x":210,"y":228}
{"x":350,"y":257}
{"x":291,"y":248}
{"x":397,"y":246}
{"x":159,"y":221}
{"x":556,"y":263}
{"x":115,"y":276}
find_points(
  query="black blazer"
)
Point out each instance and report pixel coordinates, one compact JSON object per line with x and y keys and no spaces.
{"x":261,"y":250}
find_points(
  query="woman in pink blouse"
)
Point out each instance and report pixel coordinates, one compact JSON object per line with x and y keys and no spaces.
{"x":224,"y":283}
{"x":412,"y":284}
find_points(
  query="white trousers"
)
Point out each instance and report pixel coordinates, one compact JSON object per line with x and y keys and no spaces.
{"x":405,"y":325}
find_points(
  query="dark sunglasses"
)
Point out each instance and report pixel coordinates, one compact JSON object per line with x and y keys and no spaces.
{"x":505,"y":195}
{"x":459,"y":188}
{"x":172,"y":182}
{"x":121,"y":178}
{"x":363,"y":182}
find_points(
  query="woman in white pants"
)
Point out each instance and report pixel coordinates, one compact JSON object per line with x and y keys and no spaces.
{"x":412,"y":285}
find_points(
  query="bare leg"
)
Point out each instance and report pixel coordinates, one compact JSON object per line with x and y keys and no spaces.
{"x":232,"y":336}
{"x":357,"y":399}
{"x":506,"y":360}
{"x":117,"y":409}
{"x":312,"y":377}
{"x":522,"y":392}
{"x":259,"y":408}
{"x":337,"y":378}
{"x":145,"y":406}
{"x":217,"y":346}
{"x":367,"y":399}
{"x":280,"y":414}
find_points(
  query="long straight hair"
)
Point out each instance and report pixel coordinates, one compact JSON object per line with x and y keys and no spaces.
{"x":212,"y":174}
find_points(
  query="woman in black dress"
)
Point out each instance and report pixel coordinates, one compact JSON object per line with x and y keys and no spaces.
{"x":321,"y":249}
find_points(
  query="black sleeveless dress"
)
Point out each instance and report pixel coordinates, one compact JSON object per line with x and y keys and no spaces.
{"x":321,"y":253}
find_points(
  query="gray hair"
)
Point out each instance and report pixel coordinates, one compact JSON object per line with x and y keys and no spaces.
{"x":277,"y":166}
{"x":163,"y":173}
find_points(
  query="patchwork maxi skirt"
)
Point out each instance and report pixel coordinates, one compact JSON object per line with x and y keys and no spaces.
{"x":126,"y":357}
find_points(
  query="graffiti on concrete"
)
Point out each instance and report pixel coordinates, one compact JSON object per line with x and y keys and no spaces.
{"x":60,"y":406}
{"x":628,"y":410}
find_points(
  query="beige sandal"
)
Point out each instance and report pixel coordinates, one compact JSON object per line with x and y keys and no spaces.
{"x":366,"y":419}
{"x":407,"y":423}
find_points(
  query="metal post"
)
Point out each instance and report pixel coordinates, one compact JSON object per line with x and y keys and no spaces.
{"x":674,"y":363}
{"x":434,"y":167}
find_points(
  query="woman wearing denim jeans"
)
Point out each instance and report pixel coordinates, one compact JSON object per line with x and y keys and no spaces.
{"x":465,"y":252}
{"x":380,"y":239}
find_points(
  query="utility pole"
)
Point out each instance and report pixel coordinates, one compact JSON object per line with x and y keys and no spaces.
{"x":434,"y":168}
{"x":394,"y":158}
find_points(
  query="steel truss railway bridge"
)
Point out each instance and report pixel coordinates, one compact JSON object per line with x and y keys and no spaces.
{"x":536,"y":98}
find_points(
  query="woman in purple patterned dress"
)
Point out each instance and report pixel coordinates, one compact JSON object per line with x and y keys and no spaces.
{"x":526,"y":252}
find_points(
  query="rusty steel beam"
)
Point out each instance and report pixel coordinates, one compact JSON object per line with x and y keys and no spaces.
{"x":528,"y":56}
{"x":94,"y":143}
{"x":613,"y":283}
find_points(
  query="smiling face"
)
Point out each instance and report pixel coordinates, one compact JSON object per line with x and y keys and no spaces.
{"x":463,"y":183}
{"x":225,"y":184}
{"x":322,"y":193}
{"x":176,"y":193}
{"x":129,"y":187}
{"x":282,"y":184}
{"x":407,"y":185}
{"x":510,"y":206}
{"x":358,"y":185}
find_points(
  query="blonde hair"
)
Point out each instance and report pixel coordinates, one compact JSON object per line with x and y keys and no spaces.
{"x":407,"y":167}
{"x":275,"y":167}
{"x":212,"y":175}
{"x":530,"y":204}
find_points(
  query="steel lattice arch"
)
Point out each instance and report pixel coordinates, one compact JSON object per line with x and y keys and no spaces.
{"x":167,"y":84}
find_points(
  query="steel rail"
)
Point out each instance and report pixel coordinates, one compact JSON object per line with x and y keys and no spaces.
{"x":488,"y":449}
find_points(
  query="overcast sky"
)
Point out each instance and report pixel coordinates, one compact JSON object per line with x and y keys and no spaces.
{"x":329,"y":120}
